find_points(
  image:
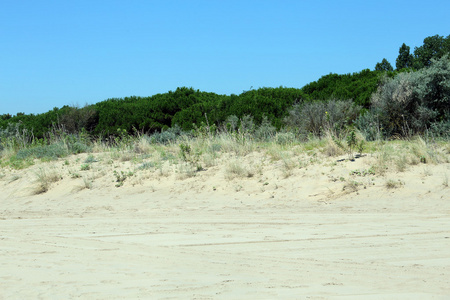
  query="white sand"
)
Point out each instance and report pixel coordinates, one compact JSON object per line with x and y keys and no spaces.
{"x":205,"y":237}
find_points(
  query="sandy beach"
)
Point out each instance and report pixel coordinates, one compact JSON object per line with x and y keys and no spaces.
{"x":326,"y":230}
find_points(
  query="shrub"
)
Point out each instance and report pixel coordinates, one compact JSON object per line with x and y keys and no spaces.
{"x":368,"y":124}
{"x":78,"y":147}
{"x":247,"y":124}
{"x":74,"y":119}
{"x":15,"y":136}
{"x":410,"y":103}
{"x":319,"y":117}
{"x":167,"y":136}
{"x":284,"y":138}
{"x":50,"y":152}
{"x":440,"y":129}
{"x":265,"y":131}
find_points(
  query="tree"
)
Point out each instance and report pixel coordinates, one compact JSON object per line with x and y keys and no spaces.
{"x":404,"y":59}
{"x":433,"y":47}
{"x":384,"y":65}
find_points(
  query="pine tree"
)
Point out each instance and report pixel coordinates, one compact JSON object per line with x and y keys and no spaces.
{"x":404,"y":59}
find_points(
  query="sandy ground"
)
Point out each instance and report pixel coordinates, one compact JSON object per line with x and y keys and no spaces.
{"x":302,"y":236}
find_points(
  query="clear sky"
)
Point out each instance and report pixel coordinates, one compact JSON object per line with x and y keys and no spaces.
{"x":56,"y":53}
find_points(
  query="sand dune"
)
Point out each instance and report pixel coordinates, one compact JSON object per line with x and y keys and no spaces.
{"x":324,"y":229}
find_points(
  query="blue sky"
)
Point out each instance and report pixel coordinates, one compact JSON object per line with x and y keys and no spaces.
{"x":56,"y":53}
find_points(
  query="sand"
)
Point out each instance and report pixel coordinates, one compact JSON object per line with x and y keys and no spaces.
{"x":308,"y":234}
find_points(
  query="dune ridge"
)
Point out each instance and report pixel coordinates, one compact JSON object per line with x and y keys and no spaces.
{"x":229,"y":221}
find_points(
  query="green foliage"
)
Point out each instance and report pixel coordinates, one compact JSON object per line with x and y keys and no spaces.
{"x":351,"y":143}
{"x":167,"y":136}
{"x":90,"y":159}
{"x":384,"y":66}
{"x":74,"y":119}
{"x":46,"y":152}
{"x":15,"y":137}
{"x":266,"y":130}
{"x":363,"y":172}
{"x":85,"y":167}
{"x":411,"y":102}
{"x":369,"y":125}
{"x":190,"y":156}
{"x":404,"y":59}
{"x":434,"y":47}
{"x":357,"y":86}
{"x":319,"y":117}
{"x":39,"y":125}
{"x":121,"y":177}
{"x":262,"y":111}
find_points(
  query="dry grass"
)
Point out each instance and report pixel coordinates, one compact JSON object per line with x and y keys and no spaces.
{"x":236,"y":169}
{"x":240,"y":155}
{"x":393,"y":184}
{"x":44,"y":179}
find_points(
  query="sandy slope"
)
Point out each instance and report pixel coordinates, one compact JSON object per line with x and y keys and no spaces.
{"x":302,"y":236}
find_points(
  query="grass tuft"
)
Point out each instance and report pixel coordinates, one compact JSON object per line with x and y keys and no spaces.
{"x":45,"y":179}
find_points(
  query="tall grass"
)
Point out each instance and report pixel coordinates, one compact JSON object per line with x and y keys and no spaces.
{"x":188,"y":153}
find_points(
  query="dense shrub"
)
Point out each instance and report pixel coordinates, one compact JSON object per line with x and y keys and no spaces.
{"x":167,"y":136}
{"x":74,"y":119}
{"x":321,"y":116}
{"x":52,"y":151}
{"x":265,"y":130}
{"x":15,"y":136}
{"x":368,"y":124}
{"x":357,"y":86}
{"x":410,"y":102}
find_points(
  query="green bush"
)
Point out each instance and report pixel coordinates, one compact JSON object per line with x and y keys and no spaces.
{"x":410,"y":103}
{"x":369,"y":125}
{"x":167,"y":136}
{"x":265,"y":131}
{"x":357,"y":86}
{"x":320,"y":116}
{"x":51,"y":152}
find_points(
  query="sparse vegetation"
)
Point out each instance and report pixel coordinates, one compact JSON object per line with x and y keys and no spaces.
{"x":44,"y":179}
{"x":393,"y":184}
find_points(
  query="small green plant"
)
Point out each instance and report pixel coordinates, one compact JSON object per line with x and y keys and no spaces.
{"x":147,"y":165}
{"x":121,"y":177}
{"x":90,"y":159}
{"x":85,"y":167}
{"x":351,"y":143}
{"x":191,"y":157}
{"x":361,"y":146}
{"x":74,"y":175}
{"x":351,"y":185}
{"x":185,"y":151}
{"x":392,"y":184}
{"x":363,"y":172}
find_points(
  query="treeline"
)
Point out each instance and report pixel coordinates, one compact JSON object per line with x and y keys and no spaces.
{"x":185,"y":107}
{"x":434,"y":47}
{"x":409,"y":100}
